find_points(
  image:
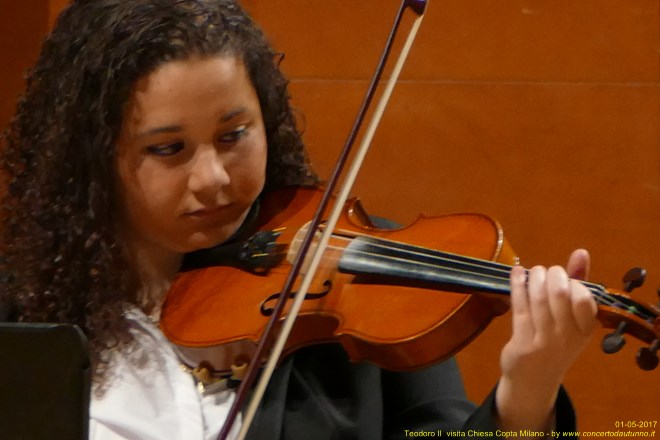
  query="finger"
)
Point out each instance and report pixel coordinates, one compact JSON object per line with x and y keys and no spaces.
{"x":521,"y":316}
{"x":578,"y":264}
{"x":559,"y":300}
{"x":538,"y":300}
{"x":584,"y":308}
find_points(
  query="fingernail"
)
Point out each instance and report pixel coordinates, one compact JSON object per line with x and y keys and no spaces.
{"x":518,"y":274}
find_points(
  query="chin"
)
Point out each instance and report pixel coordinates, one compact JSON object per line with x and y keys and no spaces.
{"x":203,"y":241}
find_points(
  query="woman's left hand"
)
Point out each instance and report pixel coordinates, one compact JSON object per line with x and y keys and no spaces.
{"x":553,"y":319}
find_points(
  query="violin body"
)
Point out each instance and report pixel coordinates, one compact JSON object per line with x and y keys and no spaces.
{"x":216,"y":314}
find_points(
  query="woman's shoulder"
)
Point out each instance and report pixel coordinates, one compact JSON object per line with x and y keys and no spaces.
{"x":144,"y":382}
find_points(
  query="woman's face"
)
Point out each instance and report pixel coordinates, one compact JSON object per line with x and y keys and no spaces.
{"x":191,"y":155}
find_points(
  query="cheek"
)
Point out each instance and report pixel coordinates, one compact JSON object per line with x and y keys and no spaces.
{"x":147,"y":195}
{"x":249,"y":170}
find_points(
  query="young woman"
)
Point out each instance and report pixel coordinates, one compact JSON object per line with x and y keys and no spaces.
{"x":148,"y":130}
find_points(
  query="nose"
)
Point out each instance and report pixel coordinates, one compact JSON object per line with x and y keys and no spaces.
{"x":208,"y":174}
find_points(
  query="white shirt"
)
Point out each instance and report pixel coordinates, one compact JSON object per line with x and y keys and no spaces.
{"x":150,"y":397}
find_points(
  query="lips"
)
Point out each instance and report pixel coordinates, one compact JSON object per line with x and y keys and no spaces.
{"x":208,"y":211}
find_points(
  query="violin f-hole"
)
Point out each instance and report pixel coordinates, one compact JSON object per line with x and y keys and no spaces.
{"x":267,"y":311}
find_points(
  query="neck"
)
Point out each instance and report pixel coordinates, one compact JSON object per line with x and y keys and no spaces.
{"x":155,"y":269}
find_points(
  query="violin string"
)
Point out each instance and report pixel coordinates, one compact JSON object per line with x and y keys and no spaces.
{"x":342,"y":195}
{"x":471,"y":266}
{"x":599,"y":292}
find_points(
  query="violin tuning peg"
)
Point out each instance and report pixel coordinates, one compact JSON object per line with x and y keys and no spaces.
{"x":614,"y":342}
{"x":634,"y":278}
{"x":647,"y":357}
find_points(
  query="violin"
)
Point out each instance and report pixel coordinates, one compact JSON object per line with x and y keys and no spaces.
{"x":401,"y":298}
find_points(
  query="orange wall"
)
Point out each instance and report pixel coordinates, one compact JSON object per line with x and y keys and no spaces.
{"x":544,"y":114}
{"x":22,"y":27}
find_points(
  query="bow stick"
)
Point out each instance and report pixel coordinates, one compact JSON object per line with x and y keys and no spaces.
{"x":418,"y":7}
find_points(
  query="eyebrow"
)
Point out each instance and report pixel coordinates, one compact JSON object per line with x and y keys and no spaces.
{"x":232,"y":114}
{"x":158,"y":130}
{"x":177,"y":128}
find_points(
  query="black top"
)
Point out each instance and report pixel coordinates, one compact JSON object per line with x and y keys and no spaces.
{"x":318,"y":394}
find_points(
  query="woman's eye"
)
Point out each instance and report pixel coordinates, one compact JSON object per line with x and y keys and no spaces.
{"x":165,"y":149}
{"x":235,"y":135}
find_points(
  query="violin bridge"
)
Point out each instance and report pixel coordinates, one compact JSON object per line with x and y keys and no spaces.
{"x":332,"y":253}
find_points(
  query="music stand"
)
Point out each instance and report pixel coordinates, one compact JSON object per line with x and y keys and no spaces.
{"x":45,"y":379}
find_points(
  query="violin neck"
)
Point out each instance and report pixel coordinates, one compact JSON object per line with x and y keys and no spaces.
{"x":401,"y":263}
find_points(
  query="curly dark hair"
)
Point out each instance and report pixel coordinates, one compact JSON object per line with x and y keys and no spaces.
{"x":60,"y":250}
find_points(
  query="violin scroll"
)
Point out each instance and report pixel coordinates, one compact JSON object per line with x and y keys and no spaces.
{"x":620,"y":312}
